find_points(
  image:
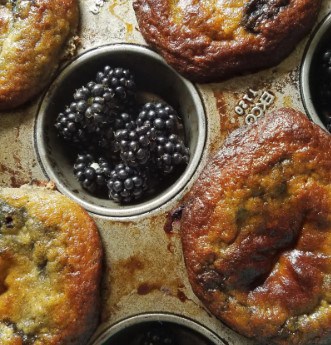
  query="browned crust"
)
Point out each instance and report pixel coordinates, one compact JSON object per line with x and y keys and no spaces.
{"x":200,"y":57}
{"x":32,"y":47}
{"x":82,"y":274}
{"x":256,"y":231}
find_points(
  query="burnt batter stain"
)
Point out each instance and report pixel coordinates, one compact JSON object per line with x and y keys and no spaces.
{"x":15,"y":179}
{"x":146,"y":288}
{"x":132,"y":265}
{"x":171,"y":247}
{"x":258,"y":11}
{"x":173,"y":216}
{"x":181,"y":296}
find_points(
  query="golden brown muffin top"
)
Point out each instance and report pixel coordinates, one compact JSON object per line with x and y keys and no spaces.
{"x":256,"y":231}
{"x":216,"y":39}
{"x":32,"y":38}
{"x":50,"y":262}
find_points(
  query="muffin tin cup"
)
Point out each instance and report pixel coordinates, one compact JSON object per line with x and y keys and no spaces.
{"x":320,"y":35}
{"x":188,"y":331}
{"x":155,"y":81}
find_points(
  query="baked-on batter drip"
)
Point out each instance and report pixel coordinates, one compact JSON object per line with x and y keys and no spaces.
{"x":216,"y":39}
{"x":50,"y":267}
{"x":33,"y":35}
{"x":256,"y":231}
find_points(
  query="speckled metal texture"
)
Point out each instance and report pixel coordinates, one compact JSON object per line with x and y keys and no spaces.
{"x":144,"y":269}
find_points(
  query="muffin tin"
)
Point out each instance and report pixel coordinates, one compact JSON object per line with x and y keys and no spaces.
{"x":156,"y":81}
{"x":144,"y":270}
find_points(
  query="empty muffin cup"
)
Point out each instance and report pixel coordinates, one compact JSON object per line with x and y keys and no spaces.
{"x":315,"y":75}
{"x":153,"y":327}
{"x":155,"y":82}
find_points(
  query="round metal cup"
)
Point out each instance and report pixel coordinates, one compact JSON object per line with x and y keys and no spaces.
{"x":130,"y":330}
{"x":155,"y":79}
{"x":321,"y":34}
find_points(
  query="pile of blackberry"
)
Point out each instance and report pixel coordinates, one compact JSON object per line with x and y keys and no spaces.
{"x":122,"y":148}
{"x":324,"y":87}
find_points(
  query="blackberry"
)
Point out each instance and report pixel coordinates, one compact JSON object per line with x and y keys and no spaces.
{"x":95,"y":106}
{"x":92,"y":174}
{"x":135,"y":143}
{"x":158,"y":336}
{"x":324,"y":88}
{"x":160,"y":116}
{"x":119,"y":80}
{"x":326,"y":63}
{"x":70,"y":128}
{"x":170,"y":152}
{"x":126,"y":183}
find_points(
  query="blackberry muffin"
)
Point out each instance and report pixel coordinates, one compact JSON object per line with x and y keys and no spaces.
{"x":256,"y":231}
{"x":33,"y":35}
{"x":50,"y":267}
{"x":212,"y":40}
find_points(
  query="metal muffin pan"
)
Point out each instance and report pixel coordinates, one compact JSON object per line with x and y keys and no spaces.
{"x":154,"y":79}
{"x":144,"y":271}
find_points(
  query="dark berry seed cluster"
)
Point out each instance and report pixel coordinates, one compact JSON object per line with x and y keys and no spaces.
{"x":126,"y":183}
{"x":158,"y":336}
{"x":122,"y":148}
{"x":92,"y":173}
{"x":324,"y":88}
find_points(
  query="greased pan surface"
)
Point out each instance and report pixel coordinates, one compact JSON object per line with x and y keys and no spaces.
{"x":144,"y":268}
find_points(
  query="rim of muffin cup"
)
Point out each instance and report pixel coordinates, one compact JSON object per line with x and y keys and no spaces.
{"x":156,"y":79}
{"x":133,"y":325}
{"x":316,"y":40}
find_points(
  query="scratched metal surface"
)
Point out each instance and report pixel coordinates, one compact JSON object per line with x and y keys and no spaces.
{"x":144,"y":269}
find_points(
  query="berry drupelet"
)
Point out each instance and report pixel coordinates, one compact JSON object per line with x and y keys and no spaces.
{"x":92,"y":174}
{"x":126,"y":184}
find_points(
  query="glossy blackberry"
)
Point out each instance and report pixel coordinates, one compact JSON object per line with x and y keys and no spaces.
{"x":170,"y":152}
{"x":324,"y":88}
{"x":160,"y":116}
{"x":95,"y":106}
{"x":158,"y":336}
{"x":126,"y":184}
{"x":70,"y":128}
{"x":92,"y":174}
{"x":326,"y":63}
{"x":135,"y":143}
{"x":119,"y":80}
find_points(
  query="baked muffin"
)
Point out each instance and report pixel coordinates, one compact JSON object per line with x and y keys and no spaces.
{"x":33,"y":35}
{"x":50,"y":267}
{"x":256,"y":231}
{"x":212,"y":40}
